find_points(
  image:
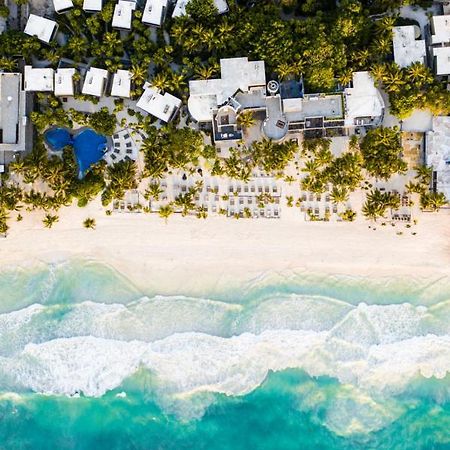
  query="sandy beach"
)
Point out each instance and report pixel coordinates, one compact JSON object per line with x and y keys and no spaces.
{"x":185,"y":254}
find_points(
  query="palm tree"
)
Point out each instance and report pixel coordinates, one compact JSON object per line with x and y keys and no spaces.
{"x":3,"y":222}
{"x":372,"y":211}
{"x":161,"y":81}
{"x":111,"y":43}
{"x":179,"y":31}
{"x":348,"y":215}
{"x":412,"y":187}
{"x":382,"y":46}
{"x":185,"y":202}
{"x":419,"y":73}
{"x":423,"y":173}
{"x":361,"y":57}
{"x":379,"y":72}
{"x":284,"y":71}
{"x":202,"y":212}
{"x":199,"y":31}
{"x":17,"y":166}
{"x":433,"y":200}
{"x":178,"y":82}
{"x":339,"y":194}
{"x":311,"y":166}
{"x":8,"y":64}
{"x":346,"y":77}
{"x":165,"y":211}
{"x":89,"y":223}
{"x":225,"y":28}
{"x":49,"y":220}
{"x":205,"y":72}
{"x":246,"y":119}
{"x":384,"y":24}
{"x":298,"y":67}
{"x":138,"y":74}
{"x":393,"y":79}
{"x":153,"y":191}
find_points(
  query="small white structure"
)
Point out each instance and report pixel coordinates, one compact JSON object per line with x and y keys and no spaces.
{"x":44,"y":29}
{"x":95,"y":82}
{"x":38,"y":80}
{"x":442,"y":60}
{"x":154,"y":12}
{"x":408,"y":50}
{"x":363,"y":102}
{"x":121,"y":85}
{"x":180,"y":7}
{"x":236,"y":74}
{"x":164,"y":107}
{"x":62,"y":5}
{"x":92,"y":5}
{"x":440,"y":29}
{"x":64,"y":82}
{"x":438,"y":154}
{"x":123,"y":13}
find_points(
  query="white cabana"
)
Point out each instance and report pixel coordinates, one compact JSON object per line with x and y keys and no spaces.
{"x":123,"y":14}
{"x":38,"y":80}
{"x":121,"y":85}
{"x":44,"y":29}
{"x":64,"y":82}
{"x":154,"y":12}
{"x":162,"y":106}
{"x":95,"y":82}
{"x":62,"y":5}
{"x":92,"y":5}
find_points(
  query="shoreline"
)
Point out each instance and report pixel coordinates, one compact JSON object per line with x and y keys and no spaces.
{"x":186,"y":254}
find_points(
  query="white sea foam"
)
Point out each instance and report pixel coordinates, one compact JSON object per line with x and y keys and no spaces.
{"x":189,"y":346}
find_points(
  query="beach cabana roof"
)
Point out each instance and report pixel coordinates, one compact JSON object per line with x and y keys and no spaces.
{"x":95,"y":82}
{"x":92,"y":5}
{"x":64,"y":82}
{"x":154,"y":12}
{"x":62,"y":5}
{"x":121,"y":85}
{"x":162,"y":106}
{"x":40,"y":27}
{"x":123,"y":13}
{"x":38,"y":80}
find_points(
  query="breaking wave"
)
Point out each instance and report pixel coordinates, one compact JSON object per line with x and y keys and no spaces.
{"x":197,"y":348}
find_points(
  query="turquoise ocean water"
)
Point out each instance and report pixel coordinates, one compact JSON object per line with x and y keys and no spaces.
{"x":88,"y":361}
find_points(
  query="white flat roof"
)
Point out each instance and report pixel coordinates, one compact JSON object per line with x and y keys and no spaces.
{"x":441,"y":29}
{"x":64,"y":82}
{"x":92,"y":5}
{"x":62,"y":5}
{"x":121,"y":84}
{"x":160,"y":106}
{"x":10,"y":105}
{"x":442,"y":55}
{"x":123,"y":12}
{"x":154,"y":12}
{"x":94,"y":82}
{"x":180,"y":7}
{"x":438,"y":153}
{"x":406,"y":49}
{"x":236,"y":74}
{"x":363,"y":99}
{"x":40,"y":27}
{"x":38,"y":79}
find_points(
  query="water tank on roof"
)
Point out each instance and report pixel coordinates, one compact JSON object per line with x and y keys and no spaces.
{"x":273,"y":87}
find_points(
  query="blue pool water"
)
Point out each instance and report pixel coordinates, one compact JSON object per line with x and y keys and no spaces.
{"x":88,"y":145}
